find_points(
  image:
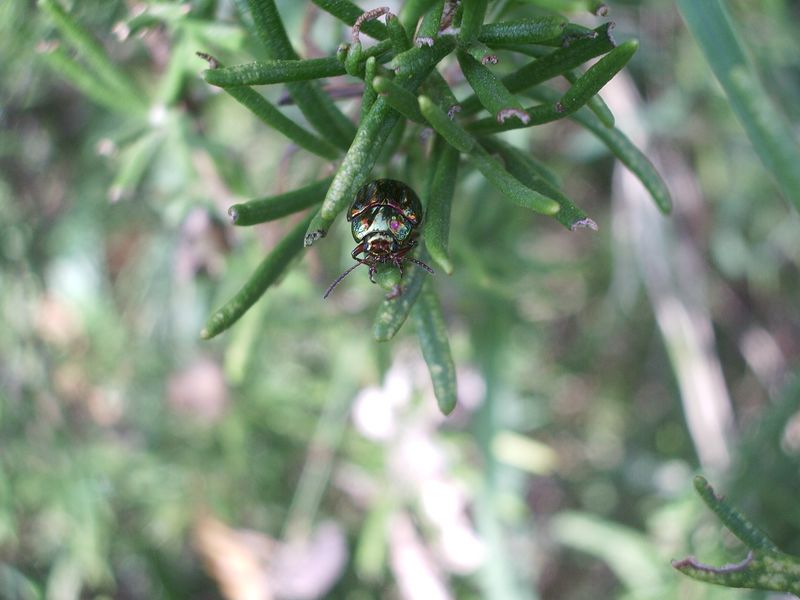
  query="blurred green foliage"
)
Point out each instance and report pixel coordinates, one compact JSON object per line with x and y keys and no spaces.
{"x":134,"y":459}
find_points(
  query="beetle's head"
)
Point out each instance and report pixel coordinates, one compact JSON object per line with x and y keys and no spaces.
{"x":380,"y":244}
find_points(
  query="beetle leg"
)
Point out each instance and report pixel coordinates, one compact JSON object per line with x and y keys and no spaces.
{"x":358,"y":250}
{"x":364,"y":261}
{"x":359,"y":261}
{"x":419,"y":263}
{"x":397,"y":260}
{"x":400,"y":257}
{"x":405,"y":250}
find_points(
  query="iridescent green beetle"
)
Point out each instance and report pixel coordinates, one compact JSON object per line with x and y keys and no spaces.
{"x":384,"y":218}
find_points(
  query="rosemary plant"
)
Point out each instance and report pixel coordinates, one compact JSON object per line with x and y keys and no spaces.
{"x":405,"y":90}
{"x":404,"y":93}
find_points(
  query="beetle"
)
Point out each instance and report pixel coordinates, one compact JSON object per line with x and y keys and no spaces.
{"x":384,"y":217}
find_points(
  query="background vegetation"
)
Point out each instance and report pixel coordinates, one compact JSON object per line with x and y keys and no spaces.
{"x":294,"y":456}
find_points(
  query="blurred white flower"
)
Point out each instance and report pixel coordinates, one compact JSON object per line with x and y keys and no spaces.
{"x":375,"y":409}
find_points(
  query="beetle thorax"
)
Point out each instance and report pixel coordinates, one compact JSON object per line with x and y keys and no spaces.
{"x":381,"y":222}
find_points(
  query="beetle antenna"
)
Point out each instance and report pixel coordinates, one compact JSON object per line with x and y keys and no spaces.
{"x":340,"y":277}
{"x":420,"y":263}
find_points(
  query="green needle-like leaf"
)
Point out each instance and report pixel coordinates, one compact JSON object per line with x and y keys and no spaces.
{"x":511,"y":187}
{"x":630,"y":156}
{"x":537,"y":115}
{"x":766,"y":127}
{"x":274,"y":71}
{"x":552,"y":63}
{"x":599,"y":74}
{"x":537,"y":169}
{"x":432,"y":334}
{"x":262,"y":210}
{"x":369,"y":94}
{"x":398,"y":98}
{"x":135,"y":159}
{"x":393,"y":142}
{"x":87,"y":83}
{"x":618,"y":143}
{"x":172,"y":82}
{"x":595,"y":104}
{"x":481,"y":52}
{"x":360,"y":157}
{"x":264,"y":276}
{"x":556,"y":63}
{"x":493,"y":95}
{"x":388,"y":277}
{"x":437,"y":89}
{"x":524,"y":31}
{"x":572,"y":33}
{"x":93,"y":53}
{"x":417,"y":61}
{"x":414,"y":66}
{"x":444,"y":126}
{"x":494,"y":172}
{"x":584,"y":88}
{"x":274,"y":118}
{"x":436,"y":226}
{"x":412,"y":10}
{"x":523,"y":167}
{"x":751,"y":535}
{"x":316,"y":106}
{"x":758,"y":570}
{"x":392,"y":312}
{"x":317,"y":229}
{"x":346,"y":11}
{"x":765,"y":567}
{"x":354,"y":59}
{"x":429,"y":28}
{"x":397,"y":34}
{"x":471,"y":20}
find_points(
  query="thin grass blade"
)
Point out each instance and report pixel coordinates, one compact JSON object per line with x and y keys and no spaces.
{"x":768,"y":130}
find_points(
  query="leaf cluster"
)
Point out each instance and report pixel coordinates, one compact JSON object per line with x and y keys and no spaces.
{"x":404,"y":92}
